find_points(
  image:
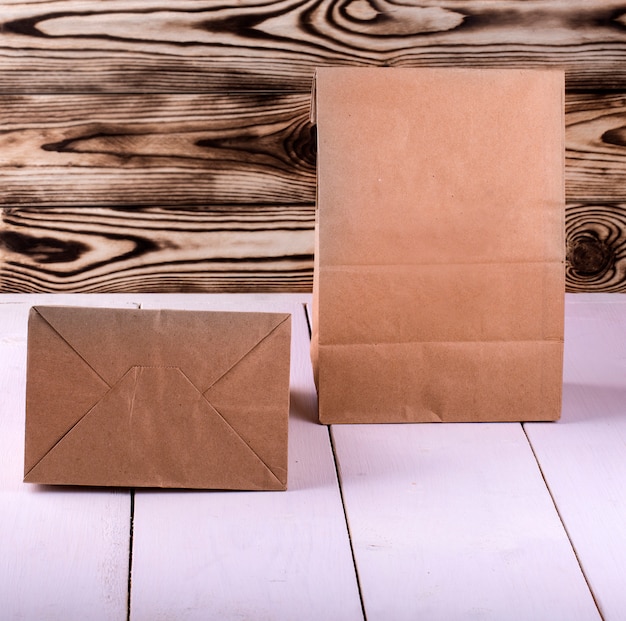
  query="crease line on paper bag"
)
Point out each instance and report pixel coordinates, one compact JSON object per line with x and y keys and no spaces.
{"x":227,"y":423}
{"x":382,"y":267}
{"x":547,"y":341}
{"x":257,"y":344}
{"x":69,"y":430}
{"x":70,"y":346}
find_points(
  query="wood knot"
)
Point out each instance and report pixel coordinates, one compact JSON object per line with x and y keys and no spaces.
{"x":588,"y":255}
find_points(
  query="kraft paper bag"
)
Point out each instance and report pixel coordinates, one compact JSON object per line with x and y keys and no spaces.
{"x":439,"y":264}
{"x":157,"y":398}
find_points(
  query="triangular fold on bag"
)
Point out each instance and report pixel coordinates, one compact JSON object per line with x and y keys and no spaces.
{"x":254,"y":398}
{"x":154,"y":429}
{"x":203,"y":344}
{"x":61,"y":388}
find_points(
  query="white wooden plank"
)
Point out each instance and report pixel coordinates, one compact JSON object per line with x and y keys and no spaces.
{"x":453,"y":521}
{"x":583,"y":456}
{"x":71,"y":299}
{"x":63,"y":551}
{"x":251,"y":555}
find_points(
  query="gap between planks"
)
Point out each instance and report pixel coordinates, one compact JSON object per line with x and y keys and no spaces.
{"x":307,"y":314}
{"x":563,"y":524}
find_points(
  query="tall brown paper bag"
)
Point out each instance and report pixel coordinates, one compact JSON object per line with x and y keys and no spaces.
{"x":439,"y":263}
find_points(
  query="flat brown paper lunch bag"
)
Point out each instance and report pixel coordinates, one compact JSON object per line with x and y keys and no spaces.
{"x":439,"y":263}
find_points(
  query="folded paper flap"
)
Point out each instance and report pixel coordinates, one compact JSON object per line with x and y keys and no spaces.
{"x":205,"y":343}
{"x":285,"y":323}
{"x":157,"y":365}
{"x":122,"y":436}
{"x":41,"y":312}
{"x":255,"y":385}
{"x":466,"y":381}
{"x":63,"y":388}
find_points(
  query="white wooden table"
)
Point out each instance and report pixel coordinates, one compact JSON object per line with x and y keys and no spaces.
{"x":424,"y":522}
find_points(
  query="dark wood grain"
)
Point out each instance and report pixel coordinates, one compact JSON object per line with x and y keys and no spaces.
{"x":132,"y":46}
{"x":596,"y":147}
{"x":190,"y":150}
{"x":227,"y":248}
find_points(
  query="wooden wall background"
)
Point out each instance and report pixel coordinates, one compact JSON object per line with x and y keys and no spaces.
{"x":165,"y":146}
